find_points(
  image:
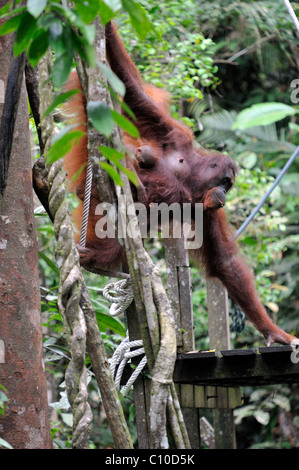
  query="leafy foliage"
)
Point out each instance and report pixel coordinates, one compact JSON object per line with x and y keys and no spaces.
{"x":225,"y":64}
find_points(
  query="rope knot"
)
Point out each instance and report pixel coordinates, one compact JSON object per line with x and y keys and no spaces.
{"x":120,"y":294}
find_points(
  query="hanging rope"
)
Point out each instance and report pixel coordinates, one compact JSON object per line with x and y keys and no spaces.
{"x":120,"y":295}
{"x":86,"y":204}
{"x":121,"y":357}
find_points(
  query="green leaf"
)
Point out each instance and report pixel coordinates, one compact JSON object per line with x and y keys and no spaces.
{"x":115,"y":157}
{"x":112,"y":173}
{"x":61,"y":68}
{"x":116,"y":84}
{"x":60,"y":99}
{"x":85,"y":50}
{"x":111,"y":153}
{"x":87,"y":10}
{"x":36,"y":7}
{"x":101,"y":117}
{"x":107,"y":322}
{"x":138,"y":17}
{"x":38,"y":47}
{"x":247,"y":159}
{"x":62,"y":144}
{"x":25,"y":33}
{"x":122,"y":103}
{"x":5,"y":9}
{"x":105,"y":12}
{"x":262,"y":114}
{"x":125,"y":124}
{"x":49,"y":262}
{"x":11,"y":25}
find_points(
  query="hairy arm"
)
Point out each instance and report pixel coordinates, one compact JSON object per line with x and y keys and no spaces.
{"x":150,"y":121}
{"x":222,"y":261}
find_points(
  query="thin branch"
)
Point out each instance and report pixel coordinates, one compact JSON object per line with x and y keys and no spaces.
{"x":251,"y":48}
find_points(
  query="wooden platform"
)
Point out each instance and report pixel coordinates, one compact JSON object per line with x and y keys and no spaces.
{"x":233,"y":368}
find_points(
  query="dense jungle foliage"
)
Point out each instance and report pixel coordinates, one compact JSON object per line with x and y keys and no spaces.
{"x":216,"y":58}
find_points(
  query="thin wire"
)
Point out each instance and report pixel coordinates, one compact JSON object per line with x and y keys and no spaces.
{"x":258,"y":207}
{"x":293,"y":157}
{"x":292,"y":14}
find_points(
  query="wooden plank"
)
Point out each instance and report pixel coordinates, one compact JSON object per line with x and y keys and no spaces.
{"x":236,"y":368}
{"x":234,"y":397}
{"x":211,"y":396}
{"x":199,"y":397}
{"x":187,"y":396}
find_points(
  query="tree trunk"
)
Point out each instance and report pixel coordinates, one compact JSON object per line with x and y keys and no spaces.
{"x":25,"y":424}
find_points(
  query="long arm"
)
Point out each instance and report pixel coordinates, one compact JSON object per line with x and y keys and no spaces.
{"x":150,"y":121}
{"x":222,"y":261}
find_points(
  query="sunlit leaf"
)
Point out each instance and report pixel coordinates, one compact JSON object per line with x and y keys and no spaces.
{"x":262,"y":114}
{"x":36,"y":7}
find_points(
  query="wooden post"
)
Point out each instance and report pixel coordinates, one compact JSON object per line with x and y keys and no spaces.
{"x":179,"y":291}
{"x":219,"y":337}
{"x":141,"y":385}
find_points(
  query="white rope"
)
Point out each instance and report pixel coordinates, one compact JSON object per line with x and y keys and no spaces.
{"x":121,"y":299}
{"x":122,"y":296}
{"x":121,"y":357}
{"x":86,"y":204}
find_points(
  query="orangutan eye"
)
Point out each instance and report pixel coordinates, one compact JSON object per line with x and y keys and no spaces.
{"x":213,"y":165}
{"x":181,"y":160}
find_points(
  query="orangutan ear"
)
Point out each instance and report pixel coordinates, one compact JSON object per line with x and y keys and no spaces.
{"x":145,"y":156}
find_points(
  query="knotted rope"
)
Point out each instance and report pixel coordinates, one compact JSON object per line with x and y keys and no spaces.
{"x":122,"y":296}
{"x":121,"y":357}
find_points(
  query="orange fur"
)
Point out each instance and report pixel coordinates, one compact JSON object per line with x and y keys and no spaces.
{"x":170,"y":170}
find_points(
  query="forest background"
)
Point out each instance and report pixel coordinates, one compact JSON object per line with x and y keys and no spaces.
{"x":217,"y":58}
